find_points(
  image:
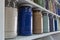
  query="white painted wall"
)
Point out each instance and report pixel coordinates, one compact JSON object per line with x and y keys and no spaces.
{"x":1,"y":19}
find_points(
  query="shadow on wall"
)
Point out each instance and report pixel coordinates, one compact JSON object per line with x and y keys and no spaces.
{"x":52,"y":37}
{"x":46,"y":38}
{"x":56,"y":37}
